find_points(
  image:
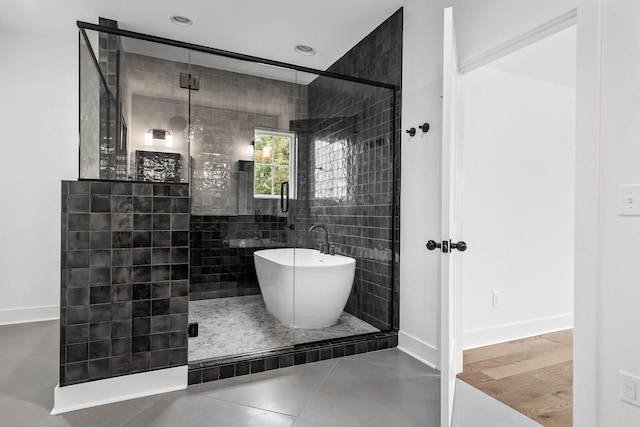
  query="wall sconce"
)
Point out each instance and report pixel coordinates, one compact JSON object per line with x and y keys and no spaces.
{"x":162,"y":134}
{"x":250,"y":148}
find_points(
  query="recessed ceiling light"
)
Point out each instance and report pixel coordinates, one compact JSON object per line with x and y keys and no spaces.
{"x":303,"y":49}
{"x":183,"y":21}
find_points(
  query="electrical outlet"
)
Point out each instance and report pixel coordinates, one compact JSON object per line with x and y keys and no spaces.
{"x":497,"y":299}
{"x":629,"y":388}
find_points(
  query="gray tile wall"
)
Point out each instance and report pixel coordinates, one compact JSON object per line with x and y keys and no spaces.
{"x":225,"y":112}
{"x":125,"y":279}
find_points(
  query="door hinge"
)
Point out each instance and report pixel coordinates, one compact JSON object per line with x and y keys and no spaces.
{"x":189,"y":81}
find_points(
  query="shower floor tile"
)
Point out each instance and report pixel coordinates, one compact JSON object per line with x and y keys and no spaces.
{"x":238,"y":325}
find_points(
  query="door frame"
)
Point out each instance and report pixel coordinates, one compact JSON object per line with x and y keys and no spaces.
{"x":587,"y":198}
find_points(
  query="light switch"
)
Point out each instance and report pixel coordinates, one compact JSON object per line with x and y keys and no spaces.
{"x":629,"y":200}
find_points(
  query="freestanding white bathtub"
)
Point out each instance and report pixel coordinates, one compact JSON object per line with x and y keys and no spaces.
{"x":306,"y":282}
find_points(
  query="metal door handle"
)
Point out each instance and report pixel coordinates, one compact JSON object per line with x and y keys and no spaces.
{"x":431,"y":245}
{"x":445,"y":245}
{"x":461,"y":246}
{"x":284,"y":207}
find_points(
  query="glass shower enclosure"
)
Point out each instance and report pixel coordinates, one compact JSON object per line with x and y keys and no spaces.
{"x":291,"y":176}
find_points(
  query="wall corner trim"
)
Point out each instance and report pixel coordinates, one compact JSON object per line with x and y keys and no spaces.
{"x":96,"y":393}
{"x":418,"y":349}
{"x":538,"y":33}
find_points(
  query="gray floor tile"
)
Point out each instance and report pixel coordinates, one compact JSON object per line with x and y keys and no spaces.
{"x":115,"y":414}
{"x":187,"y":409}
{"x":478,"y":409}
{"x":384,"y":388}
{"x":284,"y":390}
{"x":364,"y":394}
{"x":41,"y":395}
{"x":16,"y":412}
{"x":394,"y":358}
{"x":37,"y":340}
{"x":20,"y":374}
{"x":457,"y":416}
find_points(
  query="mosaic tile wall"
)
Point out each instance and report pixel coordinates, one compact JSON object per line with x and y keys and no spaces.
{"x":125,"y":279}
{"x":349,"y":148}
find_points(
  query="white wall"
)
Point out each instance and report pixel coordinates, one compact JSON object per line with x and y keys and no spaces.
{"x":38,"y":83}
{"x":420,"y":177}
{"x":480,"y":27}
{"x":618,"y":294}
{"x":606,"y":290}
{"x":587,"y":233}
{"x":516,"y":193}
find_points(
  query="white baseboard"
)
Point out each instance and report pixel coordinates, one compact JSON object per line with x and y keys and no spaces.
{"x":418,"y":349}
{"x":514,"y":331}
{"x":29,"y":314}
{"x":96,"y":393}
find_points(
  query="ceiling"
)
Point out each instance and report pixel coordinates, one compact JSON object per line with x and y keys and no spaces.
{"x":552,"y":59}
{"x":264,"y":28}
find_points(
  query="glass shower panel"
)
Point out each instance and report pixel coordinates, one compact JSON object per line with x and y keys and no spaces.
{"x":343,"y":279}
{"x":154,"y":110}
{"x":242,"y":146}
{"x":133,"y":111}
{"x":92,"y":89}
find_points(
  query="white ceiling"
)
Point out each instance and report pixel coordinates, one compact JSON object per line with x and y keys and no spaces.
{"x":552,"y":59}
{"x":263,"y":28}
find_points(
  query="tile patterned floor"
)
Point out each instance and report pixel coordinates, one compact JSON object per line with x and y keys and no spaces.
{"x":239,"y":325}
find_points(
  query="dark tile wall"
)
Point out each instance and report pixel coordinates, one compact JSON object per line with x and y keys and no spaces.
{"x":349,"y":148}
{"x":218,"y":369}
{"x":222,"y":250}
{"x":125,"y":278}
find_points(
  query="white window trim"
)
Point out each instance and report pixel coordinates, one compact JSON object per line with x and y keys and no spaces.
{"x":293,"y":163}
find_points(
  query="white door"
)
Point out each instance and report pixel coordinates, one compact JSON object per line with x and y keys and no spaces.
{"x":450,"y":325}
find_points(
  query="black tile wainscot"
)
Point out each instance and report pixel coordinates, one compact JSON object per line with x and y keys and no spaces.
{"x":219,"y":369}
{"x":125,"y":279}
{"x":222,"y":250}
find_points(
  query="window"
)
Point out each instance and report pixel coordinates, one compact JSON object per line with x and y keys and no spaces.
{"x":274,"y":163}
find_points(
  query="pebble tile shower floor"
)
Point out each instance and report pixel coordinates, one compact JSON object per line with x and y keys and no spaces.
{"x":239,"y":325}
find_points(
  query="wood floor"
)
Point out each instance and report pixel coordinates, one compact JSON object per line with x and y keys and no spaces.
{"x":533,"y":376}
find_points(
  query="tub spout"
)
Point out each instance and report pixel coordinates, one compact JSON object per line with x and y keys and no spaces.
{"x":325,"y":247}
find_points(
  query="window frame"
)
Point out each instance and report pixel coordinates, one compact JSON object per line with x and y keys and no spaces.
{"x":293,"y":165}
